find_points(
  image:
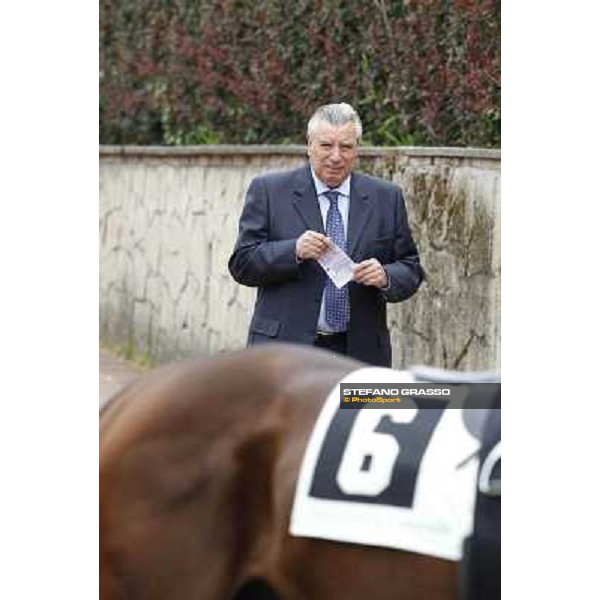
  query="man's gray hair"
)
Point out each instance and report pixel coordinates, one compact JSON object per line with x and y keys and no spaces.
{"x":337,"y":115}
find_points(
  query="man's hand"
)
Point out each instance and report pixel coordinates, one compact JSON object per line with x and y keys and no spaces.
{"x":370,"y":272}
{"x":312,"y":244}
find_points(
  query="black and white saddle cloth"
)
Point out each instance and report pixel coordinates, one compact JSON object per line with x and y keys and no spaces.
{"x":402,"y":478}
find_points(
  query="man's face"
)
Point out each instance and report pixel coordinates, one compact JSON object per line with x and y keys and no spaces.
{"x":332,"y":152}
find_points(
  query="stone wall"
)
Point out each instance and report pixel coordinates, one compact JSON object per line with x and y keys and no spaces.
{"x":168,"y":222}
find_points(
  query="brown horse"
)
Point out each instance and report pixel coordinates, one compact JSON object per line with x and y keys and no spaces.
{"x":198,"y":467}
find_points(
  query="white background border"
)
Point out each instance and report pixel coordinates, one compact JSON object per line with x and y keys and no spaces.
{"x":550,"y":236}
{"x":49,"y":330}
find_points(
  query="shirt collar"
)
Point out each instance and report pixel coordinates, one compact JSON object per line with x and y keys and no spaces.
{"x":343,"y":188}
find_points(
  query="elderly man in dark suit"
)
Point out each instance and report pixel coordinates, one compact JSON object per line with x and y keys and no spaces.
{"x":291,"y":219}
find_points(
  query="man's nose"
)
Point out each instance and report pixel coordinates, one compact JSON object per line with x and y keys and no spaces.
{"x":335,"y":153}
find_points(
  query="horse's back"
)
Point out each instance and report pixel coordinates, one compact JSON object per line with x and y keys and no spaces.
{"x":199,"y":463}
{"x":189,"y":458}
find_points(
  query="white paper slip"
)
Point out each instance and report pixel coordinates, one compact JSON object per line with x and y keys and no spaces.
{"x":338,"y":265}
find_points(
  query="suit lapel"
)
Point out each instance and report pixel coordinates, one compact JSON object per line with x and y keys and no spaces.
{"x":360,"y":212}
{"x":305,"y":201}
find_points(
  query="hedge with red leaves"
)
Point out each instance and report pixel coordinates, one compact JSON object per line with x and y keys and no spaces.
{"x":251,"y":71}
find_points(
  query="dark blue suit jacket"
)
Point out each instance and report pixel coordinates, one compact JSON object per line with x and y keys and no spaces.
{"x":278,"y":208}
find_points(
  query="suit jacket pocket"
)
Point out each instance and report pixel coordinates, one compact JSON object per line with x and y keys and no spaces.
{"x":381,"y":249}
{"x":386,"y":239}
{"x":268,"y":327}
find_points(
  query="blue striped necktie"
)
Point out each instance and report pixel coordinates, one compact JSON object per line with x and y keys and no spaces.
{"x":337,"y":302}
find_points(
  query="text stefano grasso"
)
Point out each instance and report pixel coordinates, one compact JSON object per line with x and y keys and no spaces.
{"x":397,"y":391}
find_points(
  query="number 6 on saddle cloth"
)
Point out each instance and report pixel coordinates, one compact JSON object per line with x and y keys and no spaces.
{"x":407,"y":479}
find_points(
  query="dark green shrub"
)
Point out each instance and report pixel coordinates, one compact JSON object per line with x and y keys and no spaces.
{"x":242,"y":71}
